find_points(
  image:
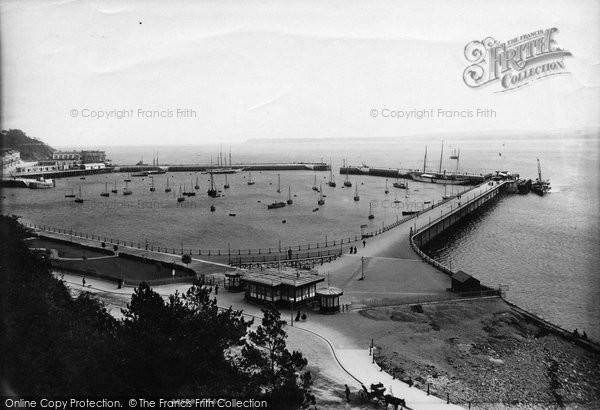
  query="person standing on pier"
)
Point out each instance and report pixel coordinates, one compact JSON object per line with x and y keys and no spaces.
{"x":347,"y":393}
{"x":364,"y":243}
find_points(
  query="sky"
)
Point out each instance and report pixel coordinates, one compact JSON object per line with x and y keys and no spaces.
{"x":239,"y":70}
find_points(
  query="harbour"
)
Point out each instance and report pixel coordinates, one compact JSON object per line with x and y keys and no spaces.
{"x":341,"y":217}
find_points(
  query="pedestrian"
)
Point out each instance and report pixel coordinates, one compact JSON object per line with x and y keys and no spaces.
{"x":217,"y":289}
{"x":290,"y":253}
{"x":364,"y":243}
{"x":83,"y":281}
{"x":297,"y":316}
{"x":347,"y":393}
{"x":576,"y":333}
{"x":584,"y":336}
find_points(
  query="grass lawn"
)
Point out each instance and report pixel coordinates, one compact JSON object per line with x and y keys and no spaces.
{"x":65,"y":249}
{"x":127,"y":269}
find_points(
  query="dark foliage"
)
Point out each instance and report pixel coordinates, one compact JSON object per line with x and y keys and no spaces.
{"x":51,"y":343}
{"x":31,"y":149}
{"x":273,"y":367}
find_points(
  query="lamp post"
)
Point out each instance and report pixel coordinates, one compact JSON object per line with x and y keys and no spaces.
{"x":362,"y":267}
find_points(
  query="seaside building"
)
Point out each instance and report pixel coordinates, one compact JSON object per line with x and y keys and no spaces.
{"x":280,"y":287}
{"x":10,"y":160}
{"x":93,"y":157}
{"x":75,"y":159}
{"x":36,"y":167}
{"x":463,"y":282}
{"x":67,"y":159}
{"x":329,"y":299}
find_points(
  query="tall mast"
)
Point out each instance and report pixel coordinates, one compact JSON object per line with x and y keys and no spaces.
{"x":230,"y":155}
{"x":457,"y":159}
{"x":441,"y":157}
{"x":425,"y":159}
{"x":539,"y":169}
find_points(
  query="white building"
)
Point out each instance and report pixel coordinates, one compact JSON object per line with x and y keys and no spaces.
{"x":67,"y":159}
{"x":10,"y":159}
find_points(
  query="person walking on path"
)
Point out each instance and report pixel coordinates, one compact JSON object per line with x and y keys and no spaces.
{"x":364,"y":243}
{"x":347,"y":393}
{"x":83,"y":282}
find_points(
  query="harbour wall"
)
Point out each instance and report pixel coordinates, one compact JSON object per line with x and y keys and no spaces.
{"x":404,"y":173}
{"x":7,"y":180}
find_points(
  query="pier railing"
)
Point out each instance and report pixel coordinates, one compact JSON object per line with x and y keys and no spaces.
{"x":417,"y":230}
{"x":424,"y":299}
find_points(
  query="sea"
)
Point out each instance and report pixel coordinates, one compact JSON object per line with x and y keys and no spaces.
{"x":544,"y":250}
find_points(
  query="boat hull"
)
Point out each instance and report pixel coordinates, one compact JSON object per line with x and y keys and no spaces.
{"x":439,"y":179}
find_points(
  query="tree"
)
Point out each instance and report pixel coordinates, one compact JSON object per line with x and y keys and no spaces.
{"x":186,"y":258}
{"x":273,"y":367}
{"x":181,"y":345}
{"x":77,"y":355}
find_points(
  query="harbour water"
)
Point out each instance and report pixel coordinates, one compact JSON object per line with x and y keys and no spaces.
{"x":545,"y":249}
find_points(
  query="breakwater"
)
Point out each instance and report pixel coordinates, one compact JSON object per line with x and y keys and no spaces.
{"x":8,"y":180}
{"x":404,"y":173}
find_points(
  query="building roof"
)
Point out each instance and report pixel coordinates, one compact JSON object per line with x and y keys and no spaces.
{"x":330,"y":291}
{"x":275,"y":278}
{"x":462,"y":276}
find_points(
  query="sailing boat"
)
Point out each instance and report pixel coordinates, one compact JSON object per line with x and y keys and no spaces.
{"x":315,"y":188}
{"x":401,"y":185}
{"x":71,"y":195}
{"x":321,"y":201}
{"x":278,"y":183}
{"x":289,"y":201}
{"x":128,"y":179}
{"x":180,"y":198}
{"x":212,"y":192}
{"x":347,"y":182}
{"x":387,"y":191}
{"x":331,"y":179}
{"x":126,"y":190}
{"x":540,"y":186}
{"x":114,"y":190}
{"x":79,"y":199}
{"x":356,"y":197}
{"x":105,"y":193}
{"x":371,"y":216}
{"x":250,"y":181}
{"x":168,"y":188}
{"x":226,"y":186}
{"x":152,"y":189}
{"x":198,"y":186}
{"x":190,"y":193}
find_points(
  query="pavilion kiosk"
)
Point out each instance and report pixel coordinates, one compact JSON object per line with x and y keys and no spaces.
{"x":281,"y":288}
{"x":233,"y":281}
{"x":329,"y":299}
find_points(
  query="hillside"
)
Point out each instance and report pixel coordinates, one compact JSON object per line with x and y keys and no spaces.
{"x":31,"y":149}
